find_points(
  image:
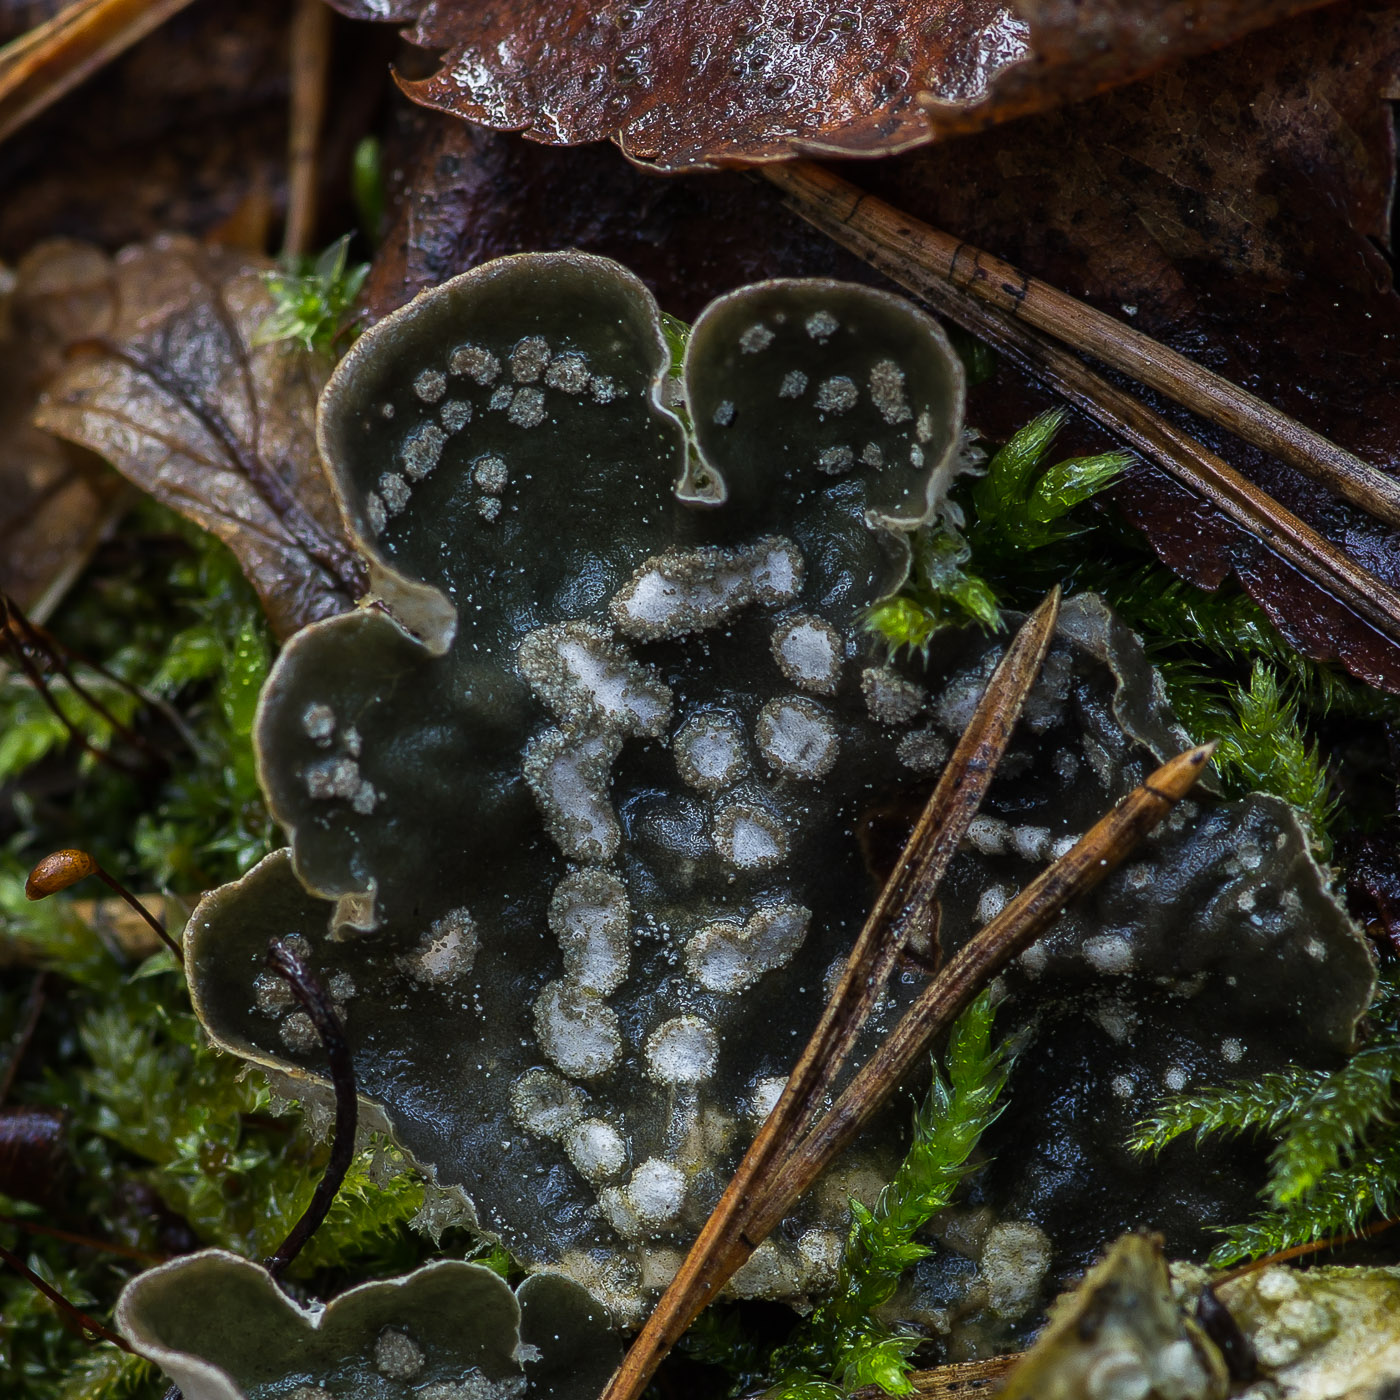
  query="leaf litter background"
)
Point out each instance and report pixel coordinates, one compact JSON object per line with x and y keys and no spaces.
{"x":1233,"y":201}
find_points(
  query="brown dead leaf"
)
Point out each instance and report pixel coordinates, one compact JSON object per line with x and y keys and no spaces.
{"x":172,"y":391}
{"x":686,"y":84}
{"x":55,"y":497}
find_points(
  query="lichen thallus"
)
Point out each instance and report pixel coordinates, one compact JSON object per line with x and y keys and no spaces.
{"x":790,"y":1152}
{"x":62,"y":869}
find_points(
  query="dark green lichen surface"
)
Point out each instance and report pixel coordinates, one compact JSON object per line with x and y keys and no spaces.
{"x":578,"y":844}
{"x":224,"y":1330}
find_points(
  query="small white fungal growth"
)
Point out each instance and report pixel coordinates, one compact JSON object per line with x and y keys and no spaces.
{"x":887,"y":389}
{"x":318,"y":720}
{"x":890,"y":697}
{"x":723,"y":957}
{"x":544,"y":1104}
{"x":430,"y":385}
{"x":454,"y":415}
{"x":656,"y":1192}
{"x":475,"y":363}
{"x":298,"y":1033}
{"x":724,"y":413}
{"x":709,"y":751}
{"x":1015,"y":1256}
{"x":397,"y":1357}
{"x":809,"y":651}
{"x":836,"y":460}
{"x":837,"y":394}
{"x":764,"y":1098}
{"x":822,"y":325}
{"x":328,"y":779}
{"x":567,"y":372}
{"x":687,"y":590}
{"x":1231,"y":1050}
{"x":602,"y":388}
{"x":591,"y":917}
{"x":757,"y":337}
{"x":1176,"y":1078}
{"x":393,"y":491}
{"x":1109,"y":953}
{"x":749,"y":837}
{"x":422,"y":449}
{"x":528,"y":359}
{"x":527,"y":408}
{"x":446,"y":952}
{"x":577,"y":1029}
{"x":794,"y":385}
{"x":597,"y":1150}
{"x":797,"y":737}
{"x":492,"y":475}
{"x":588,"y":680}
{"x":683,"y":1050}
{"x":272,"y":994}
{"x":569,"y":778}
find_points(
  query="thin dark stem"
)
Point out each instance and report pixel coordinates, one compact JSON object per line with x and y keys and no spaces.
{"x":75,"y":1315}
{"x":155,"y":924}
{"x":127,"y":1251}
{"x":317,"y":1005}
{"x":33,"y":1009}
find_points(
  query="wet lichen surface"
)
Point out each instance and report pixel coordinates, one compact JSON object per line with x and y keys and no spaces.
{"x":580,"y":838}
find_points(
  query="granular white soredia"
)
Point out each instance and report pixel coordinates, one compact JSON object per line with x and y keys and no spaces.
{"x":889,"y":697}
{"x":836,"y":460}
{"x":545,"y":1105}
{"x":529,"y":359}
{"x":822,"y":325}
{"x":794,"y":385}
{"x":568,"y":372}
{"x":397,"y":1357}
{"x":597,"y":1150}
{"x":797,"y":738}
{"x":683,"y":1050}
{"x":393,"y":491}
{"x":757,"y":337}
{"x":272,"y":994}
{"x":809,"y":651}
{"x":578,"y":1031}
{"x":430,"y":385}
{"x":569,"y":777}
{"x":422,"y":450}
{"x":749,"y":837}
{"x":709,"y":751}
{"x":656,"y":1192}
{"x":489,"y":509}
{"x":298,"y":1033}
{"x":588,"y":680}
{"x":491,"y":475}
{"x":527,"y":408}
{"x":328,"y":779}
{"x":837,"y":395}
{"x":318,"y":721}
{"x":591,"y":917}
{"x":602,"y":388}
{"x":454,"y":415}
{"x":688,"y":590}
{"x":724,"y":957}
{"x":764,"y":1098}
{"x":723,"y":415}
{"x":887,"y":390}
{"x":475,"y":363}
{"x":446,"y":952}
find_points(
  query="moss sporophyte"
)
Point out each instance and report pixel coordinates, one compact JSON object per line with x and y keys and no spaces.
{"x":586,"y":808}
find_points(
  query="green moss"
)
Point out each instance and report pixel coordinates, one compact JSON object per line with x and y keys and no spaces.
{"x":313,"y":296}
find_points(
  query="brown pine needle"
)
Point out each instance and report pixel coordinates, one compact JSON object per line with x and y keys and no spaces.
{"x":310,"y":41}
{"x":903,"y":903}
{"x":761,"y":1208}
{"x":1301,"y":1251}
{"x":896,"y":244}
{"x":126,"y":1251}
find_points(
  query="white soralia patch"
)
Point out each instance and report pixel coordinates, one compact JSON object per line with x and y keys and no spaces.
{"x":588,"y":680}
{"x":597,"y":1150}
{"x":835,"y":461}
{"x":577,"y":1029}
{"x":709,"y":751}
{"x":764,"y":1098}
{"x":890,"y":697}
{"x":569,"y":778}
{"x":1109,"y":953}
{"x":568,"y":372}
{"x":797,"y":737}
{"x":454,"y":415}
{"x":491,"y":475}
{"x":656,"y":1192}
{"x":544,"y":1104}
{"x":724,"y":413}
{"x":602,"y":388}
{"x":887,"y":390}
{"x":687,"y":590}
{"x":272,"y":994}
{"x":397,"y":1356}
{"x":475,"y":363}
{"x":298,"y":1033}
{"x":794,"y":385}
{"x":376,"y":516}
{"x":393,"y":491}
{"x":990,"y":836}
{"x":527,"y":408}
{"x":723,"y":957}
{"x":809,"y":651}
{"x":318,"y":722}
{"x":591,"y":917}
{"x":822,"y":325}
{"x":489,"y":509}
{"x":529,"y":358}
{"x":446,"y":952}
{"x":683,"y":1050}
{"x":338,"y":778}
{"x":837,"y":394}
{"x":430,"y":385}
{"x":757,"y":337}
{"x":749,"y":837}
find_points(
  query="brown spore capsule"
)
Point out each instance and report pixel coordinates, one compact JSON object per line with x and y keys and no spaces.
{"x":57,"y":872}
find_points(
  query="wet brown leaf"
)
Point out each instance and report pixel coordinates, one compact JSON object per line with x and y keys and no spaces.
{"x":55,"y":497}
{"x":173,"y":392}
{"x":682,"y":84}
